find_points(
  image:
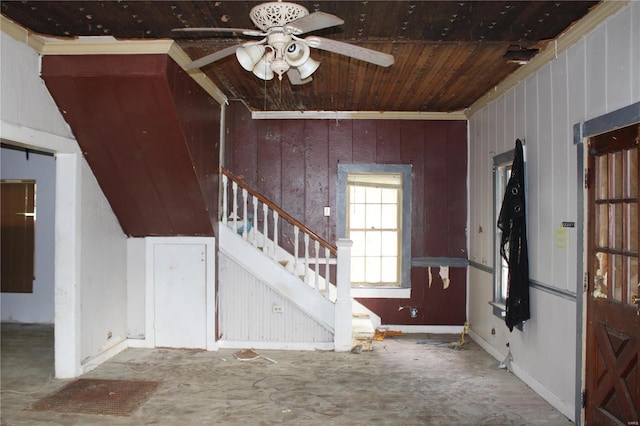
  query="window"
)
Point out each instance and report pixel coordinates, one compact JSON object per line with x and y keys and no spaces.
{"x":374,"y":211}
{"x":502,"y":171}
{"x":17,"y":220}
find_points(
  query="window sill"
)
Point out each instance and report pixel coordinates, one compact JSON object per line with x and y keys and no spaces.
{"x":499,"y":309}
{"x":381,"y":292}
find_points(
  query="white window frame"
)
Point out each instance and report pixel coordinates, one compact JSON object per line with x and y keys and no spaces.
{"x":344,"y":170}
{"x":501,"y":172}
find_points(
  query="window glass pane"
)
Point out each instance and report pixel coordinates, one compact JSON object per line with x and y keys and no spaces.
{"x":373,"y":219}
{"x":373,"y":243}
{"x":389,"y":243}
{"x":372,"y":273}
{"x":618,"y":277}
{"x":373,"y":195}
{"x":504,"y":289}
{"x":389,"y":269}
{"x":600,"y":279}
{"x":615,"y":175}
{"x":615,"y":226}
{"x":602,"y":225}
{"x":632,"y":273}
{"x":631,"y":170}
{"x":602,"y":181}
{"x":389,"y":216}
{"x":356,"y":216}
{"x":359,"y":246}
{"x":630,"y":223}
{"x":357,"y":194}
{"x":357,"y":269}
{"x":389,"y":195}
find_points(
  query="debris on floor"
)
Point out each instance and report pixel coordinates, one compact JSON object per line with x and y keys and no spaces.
{"x":249,"y":354}
{"x":382,"y":333}
{"x":458,"y":345}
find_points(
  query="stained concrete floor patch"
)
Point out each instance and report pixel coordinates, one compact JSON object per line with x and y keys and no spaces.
{"x":97,"y":396}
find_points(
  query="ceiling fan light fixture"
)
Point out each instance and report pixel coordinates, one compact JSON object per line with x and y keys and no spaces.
{"x":249,"y":56}
{"x":279,"y":66}
{"x":276,"y":14}
{"x":297,"y":53}
{"x":263,"y":67}
{"x":308,"y":68}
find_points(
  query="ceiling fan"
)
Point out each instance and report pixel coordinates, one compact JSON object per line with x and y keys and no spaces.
{"x":280,"y":50}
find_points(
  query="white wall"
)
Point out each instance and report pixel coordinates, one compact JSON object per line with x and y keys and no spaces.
{"x":103,"y":270}
{"x":90,"y":247}
{"x":597,"y":75}
{"x":136,"y":279}
{"x":36,"y":307}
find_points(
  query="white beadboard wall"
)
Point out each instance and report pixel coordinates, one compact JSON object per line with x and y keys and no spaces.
{"x":247,"y":319}
{"x":597,"y":75}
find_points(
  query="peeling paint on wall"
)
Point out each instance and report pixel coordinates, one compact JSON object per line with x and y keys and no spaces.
{"x":444,"y":274}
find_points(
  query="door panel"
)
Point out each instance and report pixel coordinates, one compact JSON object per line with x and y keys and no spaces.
{"x":613,"y":321}
{"x":17,"y":233}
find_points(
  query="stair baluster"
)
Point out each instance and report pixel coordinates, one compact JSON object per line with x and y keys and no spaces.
{"x":235,"y":207}
{"x":306,"y":257}
{"x":317,"y":267}
{"x":245,"y":194}
{"x":225,"y":207}
{"x":296,"y":253}
{"x":327,"y":277}
{"x":275,"y":235}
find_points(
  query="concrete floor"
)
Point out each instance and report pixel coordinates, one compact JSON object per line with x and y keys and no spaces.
{"x":402,"y":381}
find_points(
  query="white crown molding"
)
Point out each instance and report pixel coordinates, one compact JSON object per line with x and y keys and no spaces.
{"x":109,"y":46}
{"x":595,"y":17}
{"x":357,"y":115}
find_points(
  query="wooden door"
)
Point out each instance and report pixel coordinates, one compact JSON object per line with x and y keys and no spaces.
{"x":613,"y":321}
{"x":17,"y":207}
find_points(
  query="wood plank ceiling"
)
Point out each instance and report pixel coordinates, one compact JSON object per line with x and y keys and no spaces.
{"x":447,"y":53}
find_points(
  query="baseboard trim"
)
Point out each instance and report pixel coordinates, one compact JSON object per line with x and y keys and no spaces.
{"x":434,"y":329}
{"x":103,"y":356}
{"x":139,"y":343}
{"x":557,"y":403}
{"x":279,"y":346}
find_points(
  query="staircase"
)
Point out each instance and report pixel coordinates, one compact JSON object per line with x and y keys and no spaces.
{"x":294,"y":270}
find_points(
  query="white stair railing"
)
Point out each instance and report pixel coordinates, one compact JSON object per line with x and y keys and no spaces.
{"x":246,"y":218}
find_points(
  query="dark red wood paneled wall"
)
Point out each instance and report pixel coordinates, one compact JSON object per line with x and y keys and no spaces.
{"x":150,"y":135}
{"x":294,"y":163}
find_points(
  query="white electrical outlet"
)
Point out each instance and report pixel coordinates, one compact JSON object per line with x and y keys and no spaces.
{"x":327,"y":211}
{"x":278,"y":309}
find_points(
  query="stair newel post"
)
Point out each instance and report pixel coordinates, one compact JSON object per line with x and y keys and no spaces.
{"x":343,"y":309}
{"x":225,"y":196}
{"x":306,"y":256}
{"x":275,"y":235}
{"x":317,"y":265}
{"x":296,"y":234}
{"x":255,"y":221}
{"x":235,"y":207}
{"x":265,"y":233}
{"x":245,"y":195}
{"x":327,"y":288}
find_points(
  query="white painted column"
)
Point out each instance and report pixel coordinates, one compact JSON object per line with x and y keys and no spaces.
{"x":67,"y":265}
{"x":343,"y":309}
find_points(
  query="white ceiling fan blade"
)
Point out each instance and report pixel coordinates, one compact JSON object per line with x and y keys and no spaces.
{"x":215,"y":56}
{"x":312,"y":22}
{"x":244,"y":31}
{"x":294,"y":77}
{"x":357,"y":52}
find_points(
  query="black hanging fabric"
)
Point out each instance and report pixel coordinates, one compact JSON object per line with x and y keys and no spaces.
{"x":512,"y":223}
